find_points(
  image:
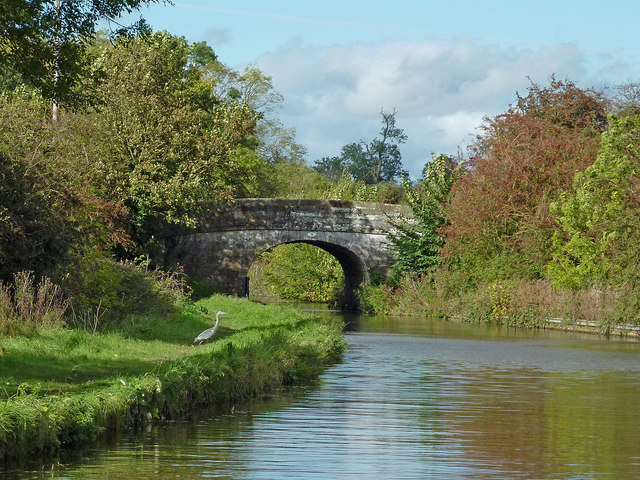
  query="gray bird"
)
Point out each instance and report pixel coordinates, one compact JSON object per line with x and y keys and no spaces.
{"x":209,"y":332}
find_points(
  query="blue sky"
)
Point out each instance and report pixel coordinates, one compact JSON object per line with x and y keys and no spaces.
{"x":443,"y":65}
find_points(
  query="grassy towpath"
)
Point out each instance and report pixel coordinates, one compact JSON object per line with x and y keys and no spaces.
{"x":66,"y":387}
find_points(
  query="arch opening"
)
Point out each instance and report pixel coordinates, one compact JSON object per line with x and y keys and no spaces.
{"x":337,"y":273}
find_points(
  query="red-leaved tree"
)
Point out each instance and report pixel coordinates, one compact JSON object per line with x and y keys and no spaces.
{"x":520,"y":162}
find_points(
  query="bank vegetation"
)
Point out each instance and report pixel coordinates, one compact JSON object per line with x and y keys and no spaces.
{"x":539,"y":220}
{"x":105,"y":139}
{"x":65,"y":387}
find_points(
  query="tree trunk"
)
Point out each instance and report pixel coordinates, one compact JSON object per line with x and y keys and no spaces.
{"x":56,"y":66}
{"x":54,"y":111}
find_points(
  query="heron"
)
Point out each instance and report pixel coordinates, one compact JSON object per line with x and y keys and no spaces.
{"x":209,"y":332}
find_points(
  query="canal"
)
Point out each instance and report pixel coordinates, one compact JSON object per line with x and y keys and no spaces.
{"x":412,"y":399}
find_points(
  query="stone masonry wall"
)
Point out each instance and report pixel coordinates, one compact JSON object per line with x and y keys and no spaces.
{"x":230,"y":237}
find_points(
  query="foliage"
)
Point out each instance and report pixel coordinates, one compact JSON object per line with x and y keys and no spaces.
{"x":29,"y":228}
{"x":390,"y":192}
{"x":173,"y":144}
{"x":417,"y":244}
{"x":377,"y":161}
{"x":114,"y":291}
{"x":34,"y":193}
{"x":519,"y":164}
{"x":10,"y":79}
{"x":402,"y":295}
{"x":278,"y":143}
{"x":292,"y":179}
{"x":26,"y":307}
{"x":376,"y":299}
{"x":45,"y":40}
{"x":348,"y":189}
{"x":252,"y":87}
{"x":49,"y":200}
{"x":300,"y":271}
{"x":598,"y":242}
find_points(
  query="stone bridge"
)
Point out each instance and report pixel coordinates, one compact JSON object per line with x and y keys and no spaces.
{"x":231,"y":237}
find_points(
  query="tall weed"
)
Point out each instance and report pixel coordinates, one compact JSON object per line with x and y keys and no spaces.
{"x":26,"y":307}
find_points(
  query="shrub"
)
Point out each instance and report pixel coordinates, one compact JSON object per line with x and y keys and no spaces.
{"x":97,"y":283}
{"x":520,"y":163}
{"x":375,"y":299}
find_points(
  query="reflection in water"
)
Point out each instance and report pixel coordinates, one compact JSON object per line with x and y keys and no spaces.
{"x":428,"y":400}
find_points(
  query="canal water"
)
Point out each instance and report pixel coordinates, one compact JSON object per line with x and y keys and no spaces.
{"x":412,"y":399}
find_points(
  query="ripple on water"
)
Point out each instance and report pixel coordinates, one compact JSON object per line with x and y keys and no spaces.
{"x":430,"y":406}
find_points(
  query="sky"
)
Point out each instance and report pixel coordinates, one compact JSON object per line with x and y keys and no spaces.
{"x":442,"y":65}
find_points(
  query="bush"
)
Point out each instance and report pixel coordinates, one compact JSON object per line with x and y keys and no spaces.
{"x":119,"y":289}
{"x":405,"y":295}
{"x":519,"y":164}
{"x":376,"y":299}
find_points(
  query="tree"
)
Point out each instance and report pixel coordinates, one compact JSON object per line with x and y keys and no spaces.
{"x":10,"y":79}
{"x":599,"y":237}
{"x":519,"y":164}
{"x":172,"y":145}
{"x":253,"y":88}
{"x":417,"y":244}
{"x":332,"y":168}
{"x":44,"y":39}
{"x":48,"y":206}
{"x":377,"y":161}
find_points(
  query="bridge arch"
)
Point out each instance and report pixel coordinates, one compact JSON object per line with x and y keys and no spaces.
{"x":231,"y":237}
{"x":354,"y":269}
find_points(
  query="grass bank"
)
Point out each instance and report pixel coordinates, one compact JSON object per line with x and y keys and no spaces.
{"x":517,"y":303}
{"x":65,"y":387}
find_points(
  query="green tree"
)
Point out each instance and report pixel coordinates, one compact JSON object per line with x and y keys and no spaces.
{"x":172,"y":144}
{"x":332,"y":168}
{"x":252,"y":87}
{"x":300,"y":271}
{"x":417,"y":244}
{"x":599,"y":237}
{"x":10,"y":79}
{"x":44,"y":39}
{"x":377,"y":161}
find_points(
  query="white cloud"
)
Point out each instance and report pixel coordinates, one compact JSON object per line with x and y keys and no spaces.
{"x":441,"y":90}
